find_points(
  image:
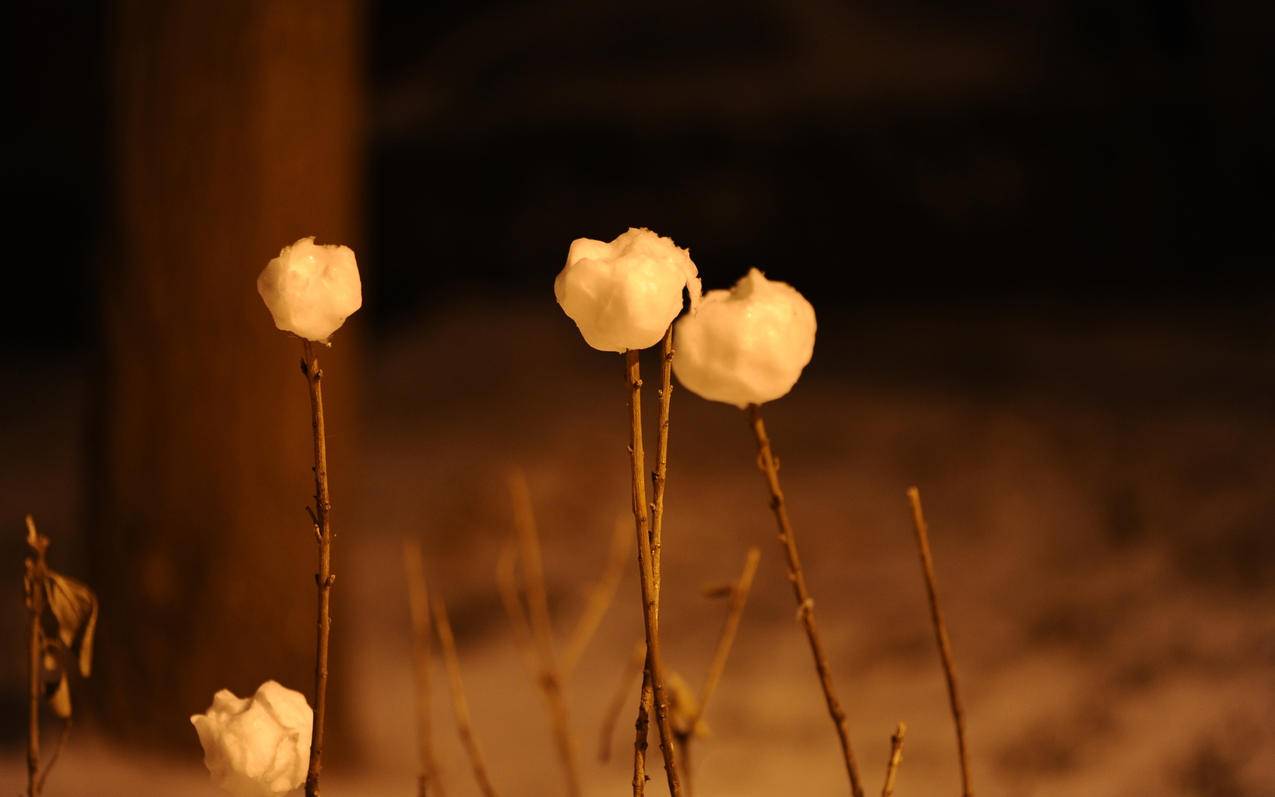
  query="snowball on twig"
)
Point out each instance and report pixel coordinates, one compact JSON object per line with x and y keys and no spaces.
{"x":257,"y":746}
{"x":624,"y":294}
{"x":311,"y":289}
{"x":747,"y":345}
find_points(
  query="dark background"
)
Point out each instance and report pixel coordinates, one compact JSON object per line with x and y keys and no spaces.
{"x":1059,"y":153}
{"x":1038,"y":238}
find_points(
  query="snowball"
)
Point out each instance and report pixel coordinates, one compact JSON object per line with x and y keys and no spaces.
{"x":311,"y":289}
{"x":623,"y":295}
{"x":746,"y":345}
{"x":257,"y":746}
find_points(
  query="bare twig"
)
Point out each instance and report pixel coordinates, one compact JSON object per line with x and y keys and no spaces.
{"x":659,"y":481}
{"x":738,"y":599}
{"x":428,"y":781}
{"x":322,"y":518}
{"x":600,"y":597}
{"x":769,"y":466}
{"x":896,"y":758}
{"x":460,"y":706}
{"x":632,"y":669}
{"x":57,"y":752}
{"x":650,"y":590}
{"x":510,"y":597}
{"x":541,"y":626}
{"x":730,"y":626}
{"x":940,"y":635}
{"x":35,"y":575}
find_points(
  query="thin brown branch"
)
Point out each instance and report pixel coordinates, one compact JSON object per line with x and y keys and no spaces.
{"x":57,"y":752}
{"x":896,"y":758}
{"x":769,"y":466}
{"x":533,"y":577}
{"x":600,"y":597}
{"x":35,"y":574}
{"x":428,"y":780}
{"x":632,"y":669}
{"x":730,"y":627}
{"x":940,"y":635}
{"x":322,"y":514}
{"x":659,"y":482}
{"x":460,"y":706}
{"x":725,"y":641}
{"x":649,"y":585}
{"x":511,"y":598}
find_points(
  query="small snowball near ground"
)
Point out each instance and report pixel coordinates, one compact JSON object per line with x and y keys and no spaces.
{"x":257,"y":746}
{"x":747,"y":345}
{"x":624,"y":294}
{"x":310,"y":289}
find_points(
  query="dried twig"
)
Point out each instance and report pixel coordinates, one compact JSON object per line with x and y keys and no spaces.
{"x":632,"y":669}
{"x":738,"y":599}
{"x":940,"y":635}
{"x":769,"y":466}
{"x":650,"y":589}
{"x":428,"y":781}
{"x":321,"y":515}
{"x":460,"y":706}
{"x":510,"y":597}
{"x":541,"y":626}
{"x":36,"y":570}
{"x":63,"y":735}
{"x":600,"y":597}
{"x":659,"y":481}
{"x":730,"y":626}
{"x":896,"y":758}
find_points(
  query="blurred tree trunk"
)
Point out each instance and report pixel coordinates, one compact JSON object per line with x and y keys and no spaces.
{"x":236,"y":132}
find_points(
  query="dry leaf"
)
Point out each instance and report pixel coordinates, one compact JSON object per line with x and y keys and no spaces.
{"x":75,"y":607}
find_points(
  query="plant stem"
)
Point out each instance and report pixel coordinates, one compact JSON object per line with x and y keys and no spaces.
{"x":460,"y":706}
{"x":634,"y":667}
{"x":769,"y":466}
{"x":418,"y":603}
{"x":541,"y":626}
{"x":896,"y":758}
{"x":53,"y":759}
{"x":659,"y":481}
{"x":725,"y":641}
{"x":940,"y":635}
{"x":34,"y":582}
{"x":322,"y":519}
{"x":600,"y":597}
{"x":650,"y":589}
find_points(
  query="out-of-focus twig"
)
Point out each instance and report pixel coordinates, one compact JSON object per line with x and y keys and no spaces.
{"x":940,"y":635}
{"x":730,"y":626}
{"x":53,"y":759}
{"x":896,"y":758}
{"x":460,"y":706}
{"x":35,"y":574}
{"x":601,"y":595}
{"x":632,"y":669}
{"x":428,"y":780}
{"x":541,"y":625}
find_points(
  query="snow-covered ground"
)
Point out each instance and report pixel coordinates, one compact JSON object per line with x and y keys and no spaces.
{"x":1102,"y":516}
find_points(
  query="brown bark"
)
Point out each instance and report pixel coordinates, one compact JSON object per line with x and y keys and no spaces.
{"x":235,"y":133}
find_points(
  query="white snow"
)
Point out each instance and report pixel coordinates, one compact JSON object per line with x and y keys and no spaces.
{"x":624,"y":294}
{"x":310,"y":289}
{"x":747,"y":345}
{"x":257,"y":746}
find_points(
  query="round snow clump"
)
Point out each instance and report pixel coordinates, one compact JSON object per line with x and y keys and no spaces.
{"x":310,"y":289}
{"x":746,"y":345}
{"x":623,"y":295}
{"x":257,"y":746}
